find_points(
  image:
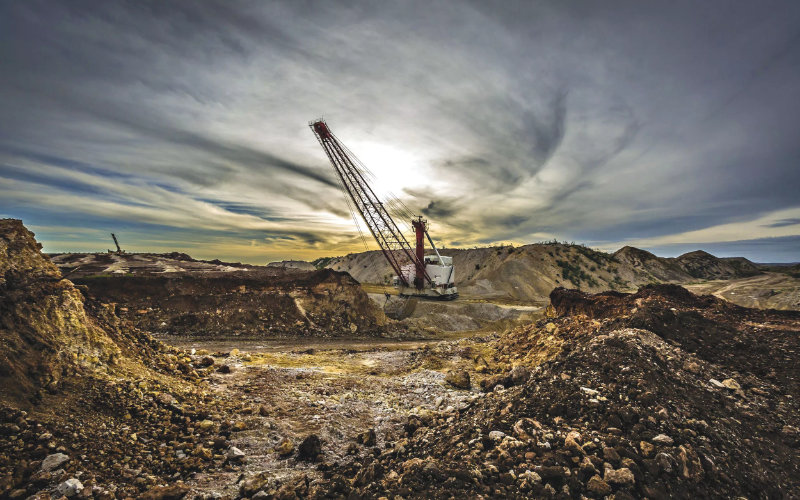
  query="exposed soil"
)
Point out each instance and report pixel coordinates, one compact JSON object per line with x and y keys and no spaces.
{"x":657,"y":394}
{"x":246,"y":304}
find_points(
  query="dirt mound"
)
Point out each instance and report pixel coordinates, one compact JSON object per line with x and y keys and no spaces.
{"x":48,"y":334}
{"x":319,"y":303}
{"x":660,"y":269}
{"x":658,"y":394}
{"x":88,"y":404}
{"x":299,"y":265}
{"x":700,"y":264}
{"x":81,"y":265}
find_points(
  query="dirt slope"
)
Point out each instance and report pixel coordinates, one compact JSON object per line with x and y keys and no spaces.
{"x":658,"y":394}
{"x":89,"y":405}
{"x":176,"y":294}
{"x":703,"y":265}
{"x":320,"y":303}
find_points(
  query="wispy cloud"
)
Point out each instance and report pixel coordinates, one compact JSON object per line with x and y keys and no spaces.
{"x":655,"y":123}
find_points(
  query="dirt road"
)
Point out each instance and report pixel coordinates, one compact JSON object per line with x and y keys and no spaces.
{"x":336,"y":390}
{"x":768,"y":290}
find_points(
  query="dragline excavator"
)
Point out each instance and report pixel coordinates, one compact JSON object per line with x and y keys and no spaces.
{"x":417,"y":274}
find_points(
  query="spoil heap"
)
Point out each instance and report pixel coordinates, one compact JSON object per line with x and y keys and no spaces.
{"x":657,"y":394}
{"x":247,"y":303}
{"x":88,"y":405}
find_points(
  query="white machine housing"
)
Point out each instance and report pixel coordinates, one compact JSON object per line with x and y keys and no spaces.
{"x":442,"y":273}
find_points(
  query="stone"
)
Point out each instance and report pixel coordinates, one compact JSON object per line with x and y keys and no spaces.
{"x":70,"y":487}
{"x":367,"y":438}
{"x":253,"y":484}
{"x":525,"y":428}
{"x":590,"y":392}
{"x":690,"y":466}
{"x":285,"y":447}
{"x":519,"y":375}
{"x":716,"y":383}
{"x":611,"y":454}
{"x":205,"y":425}
{"x":731,"y":384}
{"x":691,"y":366}
{"x":263,"y":410}
{"x":481,"y":366}
{"x":458,"y":378}
{"x":310,"y":448}
{"x":234,"y":454}
{"x":553,"y":472}
{"x":572,"y":442}
{"x":665,"y":462}
{"x":54,"y":461}
{"x":620,"y":477}
{"x":663,"y":439}
{"x":166,"y":398}
{"x":531,"y":477}
{"x":203,"y":452}
{"x":647,"y":448}
{"x":597,"y":486}
{"x":171,"y":492}
{"x":497,"y":436}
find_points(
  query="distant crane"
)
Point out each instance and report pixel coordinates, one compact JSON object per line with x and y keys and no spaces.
{"x":417,"y":274}
{"x":119,"y":250}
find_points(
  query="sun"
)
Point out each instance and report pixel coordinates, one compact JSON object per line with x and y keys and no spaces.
{"x":394,"y":169}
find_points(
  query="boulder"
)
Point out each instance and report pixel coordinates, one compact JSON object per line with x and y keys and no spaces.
{"x":70,"y":487}
{"x":285,"y":447}
{"x":620,"y":477}
{"x":310,"y":448}
{"x":597,"y":486}
{"x":458,"y":378}
{"x":54,"y":461}
{"x":234,"y":454}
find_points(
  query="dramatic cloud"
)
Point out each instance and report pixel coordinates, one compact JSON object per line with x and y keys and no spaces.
{"x":183,"y":125}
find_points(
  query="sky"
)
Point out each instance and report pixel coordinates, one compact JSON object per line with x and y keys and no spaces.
{"x":183,"y":125}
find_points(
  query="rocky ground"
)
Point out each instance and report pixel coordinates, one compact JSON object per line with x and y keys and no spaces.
{"x":656,"y":394}
{"x":660,"y":394}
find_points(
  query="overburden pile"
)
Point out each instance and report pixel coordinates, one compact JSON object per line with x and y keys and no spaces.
{"x":90,"y":407}
{"x":262,"y":303}
{"x":658,"y":394}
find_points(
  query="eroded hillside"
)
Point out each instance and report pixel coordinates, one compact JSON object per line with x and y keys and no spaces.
{"x":527,"y":274}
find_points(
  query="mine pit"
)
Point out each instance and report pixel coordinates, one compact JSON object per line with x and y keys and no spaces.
{"x":228,"y":381}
